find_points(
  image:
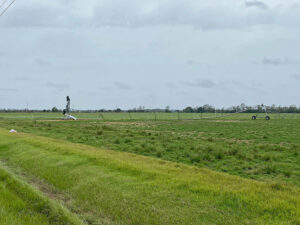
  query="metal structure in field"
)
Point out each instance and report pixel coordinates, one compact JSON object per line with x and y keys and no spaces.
{"x":66,"y":111}
{"x":267,"y":117}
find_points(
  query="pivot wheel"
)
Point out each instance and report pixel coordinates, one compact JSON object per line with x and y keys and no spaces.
{"x":254,"y":117}
{"x":268,"y":118}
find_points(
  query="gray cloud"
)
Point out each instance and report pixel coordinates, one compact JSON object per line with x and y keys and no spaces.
{"x":57,"y":86}
{"x":257,"y":4}
{"x":296,"y":76}
{"x":279,"y":61}
{"x":84,"y":45}
{"x":123,"y":86}
{"x":192,"y":62}
{"x":250,"y":86}
{"x":145,"y":89}
{"x":103,"y":88}
{"x":23,"y":78}
{"x":41,"y":14}
{"x":41,"y":62}
{"x":205,"y":83}
{"x":8,"y":89}
{"x":197,"y":63}
{"x":136,"y":14}
{"x":170,"y":85}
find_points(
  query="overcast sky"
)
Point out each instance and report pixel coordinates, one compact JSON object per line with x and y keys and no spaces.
{"x":153,"y":53}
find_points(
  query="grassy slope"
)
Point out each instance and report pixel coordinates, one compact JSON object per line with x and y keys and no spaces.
{"x":110,"y":187}
{"x":258,"y":150}
{"x":22,"y":205}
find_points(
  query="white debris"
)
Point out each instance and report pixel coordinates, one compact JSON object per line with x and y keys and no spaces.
{"x":71,"y":117}
{"x":12,"y":131}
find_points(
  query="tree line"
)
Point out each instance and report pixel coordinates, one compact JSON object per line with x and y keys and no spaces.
{"x":242,"y":108}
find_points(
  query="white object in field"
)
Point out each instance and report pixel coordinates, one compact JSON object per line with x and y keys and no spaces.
{"x":12,"y":131}
{"x":70,"y":117}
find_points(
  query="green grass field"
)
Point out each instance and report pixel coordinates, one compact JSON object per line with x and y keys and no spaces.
{"x":140,"y":116}
{"x":138,"y":170}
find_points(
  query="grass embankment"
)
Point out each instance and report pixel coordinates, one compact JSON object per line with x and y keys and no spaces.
{"x":22,"y":205}
{"x":261,"y":150}
{"x":107,"y":187}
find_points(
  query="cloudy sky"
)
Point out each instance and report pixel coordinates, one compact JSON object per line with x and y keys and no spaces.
{"x":154,"y":53}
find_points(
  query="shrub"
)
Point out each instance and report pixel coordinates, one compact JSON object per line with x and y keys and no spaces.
{"x":150,"y":148}
{"x":159,"y":153}
{"x":206,"y":157}
{"x":219,"y":155}
{"x":209,"y":149}
{"x":267,"y":157}
{"x":287,"y":173}
{"x":269,"y":169}
{"x":195,"y":158}
{"x":105,"y":127}
{"x":210,"y":139}
{"x":233,"y":151}
{"x":127,"y":140}
{"x":276,"y":186}
{"x":99,"y":132}
{"x":241,"y":155}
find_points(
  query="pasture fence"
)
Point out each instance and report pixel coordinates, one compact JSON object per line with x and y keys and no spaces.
{"x":155,"y":116}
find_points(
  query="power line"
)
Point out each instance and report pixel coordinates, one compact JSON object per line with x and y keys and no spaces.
{"x":7,"y":8}
{"x":3,"y":3}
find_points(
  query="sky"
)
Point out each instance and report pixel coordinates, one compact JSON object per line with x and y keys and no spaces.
{"x":152,"y":53}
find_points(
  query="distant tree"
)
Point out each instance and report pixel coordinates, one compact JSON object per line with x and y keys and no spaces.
{"x":208,"y":108}
{"x":243,"y":106}
{"x":54,"y":109}
{"x":167,"y":109}
{"x":141,"y":109}
{"x":292,"y":109}
{"x":199,"y":110}
{"x":260,"y":109}
{"x":118,"y":110}
{"x":273,"y":108}
{"x":188,"y":109}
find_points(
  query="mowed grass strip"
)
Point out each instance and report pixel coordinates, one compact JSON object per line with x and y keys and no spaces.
{"x":22,"y":205}
{"x":108,"y":187}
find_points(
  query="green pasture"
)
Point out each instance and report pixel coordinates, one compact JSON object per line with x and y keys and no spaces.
{"x":107,"y":187}
{"x":260,"y":149}
{"x":144,"y":116}
{"x":116,"y":169}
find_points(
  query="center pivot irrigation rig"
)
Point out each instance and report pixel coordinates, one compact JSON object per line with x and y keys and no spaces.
{"x":267,"y":117}
{"x":67,"y":111}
